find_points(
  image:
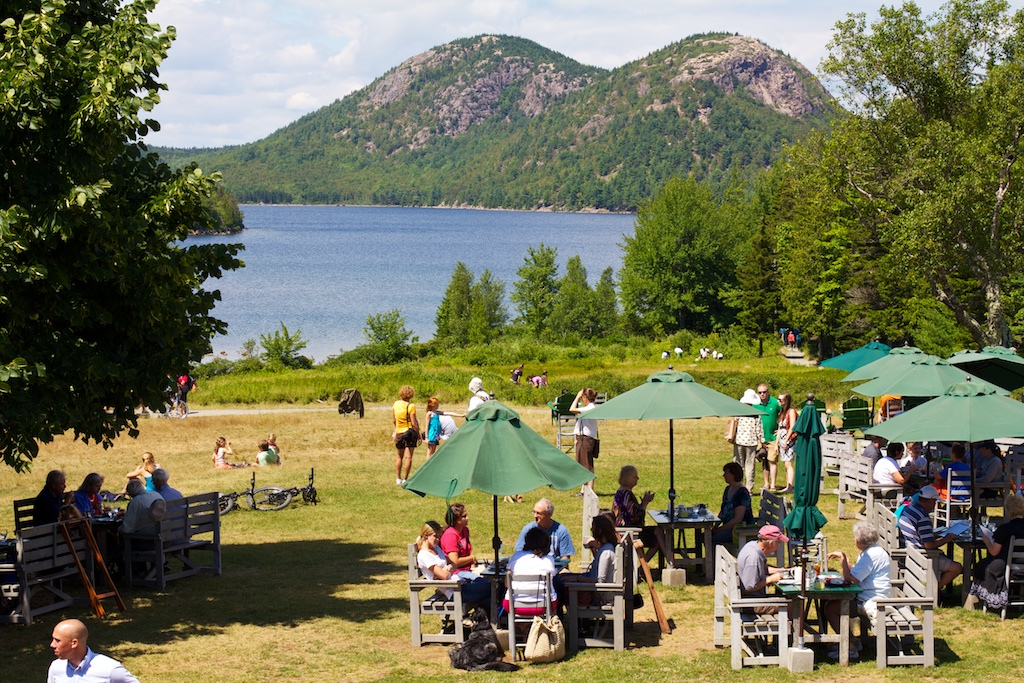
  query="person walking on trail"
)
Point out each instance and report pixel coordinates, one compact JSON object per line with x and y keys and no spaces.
{"x":77,"y":662}
{"x":585,"y":432}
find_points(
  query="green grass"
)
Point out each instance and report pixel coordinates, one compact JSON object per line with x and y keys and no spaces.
{"x":319,"y":593}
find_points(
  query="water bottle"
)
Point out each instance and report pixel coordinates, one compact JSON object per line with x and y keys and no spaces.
{"x":812,"y":576}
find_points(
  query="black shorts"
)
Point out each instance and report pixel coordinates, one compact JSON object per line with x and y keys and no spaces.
{"x":407,"y":440}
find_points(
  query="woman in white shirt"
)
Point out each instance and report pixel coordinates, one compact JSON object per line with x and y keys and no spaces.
{"x":532,"y":559}
{"x":434,"y":566}
{"x":871,"y":573}
{"x":887,"y":470}
{"x":585,"y":432}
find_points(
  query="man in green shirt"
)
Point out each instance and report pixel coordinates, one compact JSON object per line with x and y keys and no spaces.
{"x":770,"y":408}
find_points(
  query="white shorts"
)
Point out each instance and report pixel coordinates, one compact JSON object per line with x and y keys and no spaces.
{"x":868,"y":609}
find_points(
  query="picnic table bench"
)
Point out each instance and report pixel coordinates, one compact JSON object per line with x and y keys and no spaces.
{"x":610,"y":608}
{"x":746,"y":629}
{"x":189,"y":525}
{"x":857,"y":484}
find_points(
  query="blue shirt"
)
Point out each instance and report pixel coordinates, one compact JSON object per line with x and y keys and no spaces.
{"x":93,"y":669}
{"x":561,"y":540}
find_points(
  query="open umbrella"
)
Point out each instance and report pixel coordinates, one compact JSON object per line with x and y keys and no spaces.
{"x":806,"y":519}
{"x":996,"y":364}
{"x":896,"y":358}
{"x":922,"y":377}
{"x":670,"y":395}
{"x":496,"y":453}
{"x":852,"y":360}
{"x":967,"y":411}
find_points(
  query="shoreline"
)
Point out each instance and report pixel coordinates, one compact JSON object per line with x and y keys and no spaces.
{"x":591,"y":211}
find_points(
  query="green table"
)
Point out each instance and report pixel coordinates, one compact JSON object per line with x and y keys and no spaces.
{"x":816,"y":594}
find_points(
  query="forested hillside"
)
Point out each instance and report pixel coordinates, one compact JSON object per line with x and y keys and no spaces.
{"x":499,"y":121}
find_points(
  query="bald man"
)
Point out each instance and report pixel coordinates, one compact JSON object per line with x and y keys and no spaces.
{"x":76,"y":662}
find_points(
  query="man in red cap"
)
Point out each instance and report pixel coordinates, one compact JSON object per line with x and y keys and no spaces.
{"x":752,"y":565}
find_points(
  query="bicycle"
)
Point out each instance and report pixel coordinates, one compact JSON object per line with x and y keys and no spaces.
{"x":269,"y":498}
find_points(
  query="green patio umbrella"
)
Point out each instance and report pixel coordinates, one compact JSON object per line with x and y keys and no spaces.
{"x":996,"y":364}
{"x":896,"y":358}
{"x":670,"y":395}
{"x":852,"y":360}
{"x":806,"y":519}
{"x":922,"y":377}
{"x":967,"y":411}
{"x":496,"y":453}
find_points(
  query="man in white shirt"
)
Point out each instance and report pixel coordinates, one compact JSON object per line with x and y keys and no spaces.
{"x":76,"y":662}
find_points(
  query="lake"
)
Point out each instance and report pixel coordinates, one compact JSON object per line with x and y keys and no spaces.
{"x":324,"y":269}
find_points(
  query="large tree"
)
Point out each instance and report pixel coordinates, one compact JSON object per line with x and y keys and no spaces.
{"x":929,"y":156}
{"x":535,"y":291}
{"x":678,"y":261}
{"x":99,"y":299}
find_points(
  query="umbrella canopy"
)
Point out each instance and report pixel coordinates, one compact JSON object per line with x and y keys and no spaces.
{"x":996,"y":364}
{"x":967,"y":411}
{"x":896,"y":358}
{"x":806,"y":520}
{"x":852,"y":360}
{"x":496,"y":453}
{"x":670,"y":395}
{"x":922,"y":377}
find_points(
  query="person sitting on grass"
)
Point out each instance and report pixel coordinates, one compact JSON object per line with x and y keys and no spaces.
{"x":221,"y":451}
{"x":265,"y":455}
{"x":870,"y":573}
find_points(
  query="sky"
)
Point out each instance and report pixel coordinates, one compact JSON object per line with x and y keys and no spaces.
{"x":241,"y":69}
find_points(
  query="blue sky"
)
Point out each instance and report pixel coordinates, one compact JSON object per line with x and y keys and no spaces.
{"x":241,"y":69}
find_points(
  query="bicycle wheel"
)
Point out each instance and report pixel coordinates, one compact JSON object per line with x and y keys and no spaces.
{"x":227,"y":503}
{"x":182,"y":410}
{"x":309,"y":495}
{"x":269,"y":498}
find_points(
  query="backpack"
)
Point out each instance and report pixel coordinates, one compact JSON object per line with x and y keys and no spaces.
{"x":186,"y":382}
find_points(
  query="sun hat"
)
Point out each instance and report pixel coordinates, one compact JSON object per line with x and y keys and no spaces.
{"x":476,"y":384}
{"x":770,"y":532}
{"x":929,"y":493}
{"x":750,"y":397}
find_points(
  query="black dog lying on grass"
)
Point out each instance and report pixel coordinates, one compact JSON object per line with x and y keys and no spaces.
{"x":481,"y":651}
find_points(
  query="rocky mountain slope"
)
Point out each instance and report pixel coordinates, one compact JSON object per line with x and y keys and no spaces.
{"x":502,"y":121}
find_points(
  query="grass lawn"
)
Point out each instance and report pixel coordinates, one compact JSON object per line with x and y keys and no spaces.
{"x":319,"y":593}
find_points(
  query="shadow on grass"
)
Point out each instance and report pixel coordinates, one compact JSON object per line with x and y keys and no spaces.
{"x":278,"y":584}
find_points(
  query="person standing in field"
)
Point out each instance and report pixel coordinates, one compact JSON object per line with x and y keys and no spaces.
{"x":770,"y":409}
{"x":585,"y":432}
{"x":407,"y":432}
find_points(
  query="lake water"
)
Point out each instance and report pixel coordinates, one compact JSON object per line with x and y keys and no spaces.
{"x":324,"y":269}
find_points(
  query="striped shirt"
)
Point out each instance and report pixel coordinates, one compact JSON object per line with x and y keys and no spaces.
{"x":916,"y":526}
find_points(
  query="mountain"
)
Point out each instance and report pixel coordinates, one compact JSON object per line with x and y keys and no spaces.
{"x":499,"y":121}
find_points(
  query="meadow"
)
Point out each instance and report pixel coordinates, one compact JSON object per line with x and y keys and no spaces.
{"x":319,"y":593}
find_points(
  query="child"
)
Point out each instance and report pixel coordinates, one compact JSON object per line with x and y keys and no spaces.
{"x":272,"y":443}
{"x":265,"y":456}
{"x":435,"y":430}
{"x":221,"y":451}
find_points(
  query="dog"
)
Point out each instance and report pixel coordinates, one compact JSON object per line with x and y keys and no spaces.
{"x":481,"y":651}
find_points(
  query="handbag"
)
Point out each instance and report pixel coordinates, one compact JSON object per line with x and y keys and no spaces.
{"x":730,"y":430}
{"x":546,"y":641}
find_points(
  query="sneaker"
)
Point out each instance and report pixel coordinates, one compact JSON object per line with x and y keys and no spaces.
{"x":398,"y":481}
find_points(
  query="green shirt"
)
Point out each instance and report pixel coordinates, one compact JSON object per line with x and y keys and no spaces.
{"x":267,"y":458}
{"x":770,"y":417}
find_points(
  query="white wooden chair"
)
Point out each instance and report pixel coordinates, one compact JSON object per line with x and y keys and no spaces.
{"x":611,"y":607}
{"x":426,"y":597}
{"x":907,"y":615}
{"x":956,"y":501}
{"x":748,"y":632}
{"x":522,"y":608}
{"x":774,"y":508}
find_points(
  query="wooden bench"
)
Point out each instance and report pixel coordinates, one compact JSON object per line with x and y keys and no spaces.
{"x":611,"y":606}
{"x":773,"y":510}
{"x":747,"y":629}
{"x":857,"y":485}
{"x":43,"y":562}
{"x":434,"y":603}
{"x":834,"y":447}
{"x":24,"y":513}
{"x":189,"y":525}
{"x":908,"y":614}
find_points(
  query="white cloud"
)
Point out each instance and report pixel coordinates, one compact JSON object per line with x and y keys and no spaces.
{"x":241,"y":69}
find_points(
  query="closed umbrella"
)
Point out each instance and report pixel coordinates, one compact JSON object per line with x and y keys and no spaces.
{"x":852,"y":360}
{"x":670,"y":395}
{"x":996,"y":364}
{"x":806,"y":519}
{"x":923,"y":377}
{"x":896,"y":358}
{"x":496,"y":453}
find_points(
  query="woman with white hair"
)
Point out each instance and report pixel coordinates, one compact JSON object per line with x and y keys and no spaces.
{"x":871,"y":573}
{"x":476,"y":387}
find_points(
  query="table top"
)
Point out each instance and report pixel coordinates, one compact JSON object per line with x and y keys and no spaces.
{"x":820,"y":589}
{"x":707,"y":518}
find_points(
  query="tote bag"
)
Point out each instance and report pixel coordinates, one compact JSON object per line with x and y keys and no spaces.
{"x":546,"y":641}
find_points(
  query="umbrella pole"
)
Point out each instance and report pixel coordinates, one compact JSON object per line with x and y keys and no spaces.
{"x":803,"y":595}
{"x":671,"y":473}
{"x":974,"y":499}
{"x":496,"y":540}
